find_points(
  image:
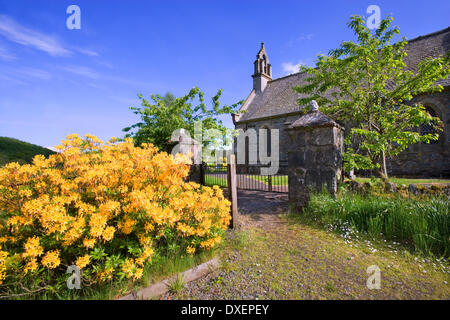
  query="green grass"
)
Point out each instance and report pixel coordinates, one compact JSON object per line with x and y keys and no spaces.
{"x":423,"y":225}
{"x":177,"y":284}
{"x":215,"y":180}
{"x":13,"y":150}
{"x":276,"y":180}
{"x":405,"y":181}
{"x":292,"y":260}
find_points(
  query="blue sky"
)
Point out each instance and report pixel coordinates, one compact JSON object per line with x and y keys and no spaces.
{"x":55,"y":81}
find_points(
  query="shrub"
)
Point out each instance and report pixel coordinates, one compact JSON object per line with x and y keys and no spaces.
{"x":106,"y":207}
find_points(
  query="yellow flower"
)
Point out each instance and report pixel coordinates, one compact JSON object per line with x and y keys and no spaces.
{"x":190,"y":250}
{"x":143,"y":240}
{"x":3,"y":255}
{"x":75,"y":232}
{"x":33,"y":248}
{"x":89,"y":243}
{"x":140,"y":261}
{"x":149,"y":227}
{"x":82,"y":261}
{"x":108,"y":233}
{"x":138,"y":273}
{"x":97,"y":224}
{"x":210,"y":243}
{"x":127,"y":226}
{"x":107,"y":274}
{"x":51,"y":259}
{"x":32,"y":265}
{"x":128,"y":267}
{"x":91,"y":192}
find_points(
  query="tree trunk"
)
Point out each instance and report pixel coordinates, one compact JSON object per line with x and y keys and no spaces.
{"x":383,"y":169}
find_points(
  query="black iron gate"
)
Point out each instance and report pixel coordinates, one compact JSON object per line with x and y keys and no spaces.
{"x":213,"y":174}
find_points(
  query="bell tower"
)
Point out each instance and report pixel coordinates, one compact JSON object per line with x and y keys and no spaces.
{"x":263,"y":70}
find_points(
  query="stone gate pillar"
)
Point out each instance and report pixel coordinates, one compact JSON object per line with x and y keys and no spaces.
{"x":314,"y":156}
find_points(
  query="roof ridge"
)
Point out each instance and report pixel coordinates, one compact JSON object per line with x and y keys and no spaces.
{"x":283,"y":77}
{"x":428,"y":35}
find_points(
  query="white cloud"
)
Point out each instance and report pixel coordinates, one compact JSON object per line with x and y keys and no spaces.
{"x":290,"y":68}
{"x":5,"y":55}
{"x":52,"y":148}
{"x":101,"y":78}
{"x":88,"y":52}
{"x":15,"y":32}
{"x":33,"y":73}
{"x":126,"y":100}
{"x":8,"y":79}
{"x":301,"y":38}
{"x":307,"y":37}
{"x":82,"y":71}
{"x":22,"y":74}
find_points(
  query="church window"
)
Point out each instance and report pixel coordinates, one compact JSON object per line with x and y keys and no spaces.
{"x":428,"y":128}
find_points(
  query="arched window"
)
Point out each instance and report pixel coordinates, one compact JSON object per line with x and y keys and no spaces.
{"x":426,"y":128}
{"x":265,"y":64}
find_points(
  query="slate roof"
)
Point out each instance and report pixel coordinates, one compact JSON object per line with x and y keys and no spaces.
{"x":278,"y":98}
{"x":432,"y":45}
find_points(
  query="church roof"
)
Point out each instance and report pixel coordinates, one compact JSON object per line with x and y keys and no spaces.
{"x":278,"y":98}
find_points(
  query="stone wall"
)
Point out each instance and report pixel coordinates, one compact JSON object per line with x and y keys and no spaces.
{"x":427,"y":160}
{"x":280,"y":123}
{"x":316,"y":157}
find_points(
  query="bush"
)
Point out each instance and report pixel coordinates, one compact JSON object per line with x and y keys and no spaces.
{"x":106,"y":207}
{"x":422,"y":224}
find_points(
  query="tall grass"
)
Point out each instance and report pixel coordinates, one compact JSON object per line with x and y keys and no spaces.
{"x":423,"y":225}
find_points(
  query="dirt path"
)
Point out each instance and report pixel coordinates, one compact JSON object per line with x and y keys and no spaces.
{"x":273,"y":258}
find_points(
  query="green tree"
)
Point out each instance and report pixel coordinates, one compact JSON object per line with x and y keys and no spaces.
{"x":368,"y":85}
{"x":161,"y":116}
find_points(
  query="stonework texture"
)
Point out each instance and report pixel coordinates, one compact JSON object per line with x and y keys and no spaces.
{"x":314,"y":159}
{"x":427,"y":160}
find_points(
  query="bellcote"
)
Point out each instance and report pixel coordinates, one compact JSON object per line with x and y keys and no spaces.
{"x":263,"y":70}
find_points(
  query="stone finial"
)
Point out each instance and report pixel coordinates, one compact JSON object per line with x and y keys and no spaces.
{"x":313,"y":106}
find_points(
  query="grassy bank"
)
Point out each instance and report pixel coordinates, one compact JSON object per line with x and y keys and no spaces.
{"x":405,"y":181}
{"x":13,"y":150}
{"x":422,"y":225}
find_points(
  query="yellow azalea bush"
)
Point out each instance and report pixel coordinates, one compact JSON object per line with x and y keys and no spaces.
{"x":107,"y":208}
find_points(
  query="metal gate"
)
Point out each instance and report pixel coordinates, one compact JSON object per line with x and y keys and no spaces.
{"x":213,"y":174}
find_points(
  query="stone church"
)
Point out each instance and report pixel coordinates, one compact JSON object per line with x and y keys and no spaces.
{"x":272,"y":104}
